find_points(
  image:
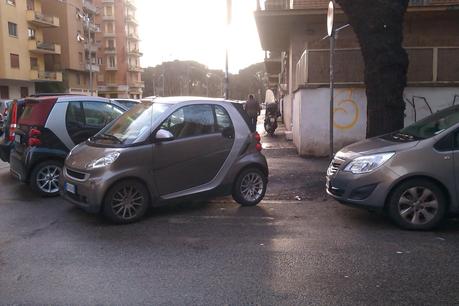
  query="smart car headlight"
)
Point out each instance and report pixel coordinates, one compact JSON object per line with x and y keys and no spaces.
{"x":103,"y":161}
{"x":368,"y":163}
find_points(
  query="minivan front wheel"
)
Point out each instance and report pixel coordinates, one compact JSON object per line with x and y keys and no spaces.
{"x":44,"y":178}
{"x":417,"y":204}
{"x":126,"y":202}
{"x":250,"y":187}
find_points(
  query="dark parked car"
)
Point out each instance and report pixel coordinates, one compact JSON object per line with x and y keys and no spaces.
{"x":411,"y":173}
{"x":48,"y":128}
{"x":174,"y":148}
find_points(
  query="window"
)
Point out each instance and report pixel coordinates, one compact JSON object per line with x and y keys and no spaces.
{"x":14,"y":60}
{"x":24,"y":92}
{"x":111,"y":61}
{"x":30,"y":5}
{"x":11,"y":2}
{"x":13,"y":29}
{"x":31,"y":33}
{"x":222,"y":118}
{"x":74,"y":121}
{"x":189,"y":121}
{"x":110,"y":44}
{"x":98,"y":114}
{"x":78,"y":79}
{"x":4,"y":92}
{"x":33,"y":63}
{"x":80,"y":57}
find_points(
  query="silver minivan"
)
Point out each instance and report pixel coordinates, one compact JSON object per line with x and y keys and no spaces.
{"x":411,"y":174}
{"x":169,"y":149}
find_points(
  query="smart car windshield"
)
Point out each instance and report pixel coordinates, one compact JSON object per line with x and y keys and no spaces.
{"x":432,"y":125}
{"x":132,"y":127}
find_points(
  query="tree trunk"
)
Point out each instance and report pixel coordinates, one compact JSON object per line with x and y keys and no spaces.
{"x":378,"y":25}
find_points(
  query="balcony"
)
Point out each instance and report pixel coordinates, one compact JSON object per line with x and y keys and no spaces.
{"x":131,"y":19}
{"x":133,"y":36}
{"x":44,"y":47}
{"x":130,"y":4}
{"x":111,"y":68}
{"x":137,"y":84}
{"x":40,"y":20}
{"x":135,"y":52}
{"x":93,"y":67}
{"x":110,"y":50}
{"x":133,"y":68}
{"x":273,"y":62}
{"x":108,"y":34}
{"x":113,"y":87}
{"x":108,"y":1}
{"x":89,"y":6}
{"x":45,"y":76}
{"x":108,"y":17}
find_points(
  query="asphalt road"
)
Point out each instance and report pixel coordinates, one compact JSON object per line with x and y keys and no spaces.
{"x":285,"y":251}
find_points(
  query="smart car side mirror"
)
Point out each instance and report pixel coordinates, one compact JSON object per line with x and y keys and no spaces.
{"x":163,"y":135}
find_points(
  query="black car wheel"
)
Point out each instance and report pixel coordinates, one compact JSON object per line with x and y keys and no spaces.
{"x":250,"y":187}
{"x":417,"y":204}
{"x":44,"y":178}
{"x":126,"y":202}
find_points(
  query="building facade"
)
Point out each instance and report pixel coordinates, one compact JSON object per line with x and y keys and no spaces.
{"x":297,"y":61}
{"x":24,"y":49}
{"x":119,"y":59}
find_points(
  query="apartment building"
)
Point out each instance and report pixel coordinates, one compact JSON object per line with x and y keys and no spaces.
{"x":77,"y":35}
{"x":119,"y":53}
{"x":24,"y":49}
{"x":297,"y":61}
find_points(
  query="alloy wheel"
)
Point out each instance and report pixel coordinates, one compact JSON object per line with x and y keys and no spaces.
{"x":48,"y":179}
{"x":418,"y":205}
{"x":252,"y":186}
{"x":127,"y":202}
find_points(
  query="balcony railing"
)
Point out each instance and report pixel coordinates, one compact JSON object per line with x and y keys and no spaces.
{"x":133,"y":36}
{"x":53,"y":76}
{"x":108,"y":17}
{"x":108,"y":1}
{"x":108,"y":34}
{"x":135,"y":52}
{"x":131,"y":18}
{"x":41,"y":20}
{"x":137,"y":84}
{"x":111,"y":68}
{"x":44,"y":47}
{"x":110,"y":50}
{"x":134,"y":68}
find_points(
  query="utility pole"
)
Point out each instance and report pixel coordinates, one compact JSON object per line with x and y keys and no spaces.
{"x":228,"y":22}
{"x":88,"y":25}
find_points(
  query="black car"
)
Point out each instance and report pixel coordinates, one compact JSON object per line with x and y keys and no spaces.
{"x":48,"y":128}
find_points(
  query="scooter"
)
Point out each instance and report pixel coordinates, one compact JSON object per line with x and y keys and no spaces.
{"x":271,"y":118}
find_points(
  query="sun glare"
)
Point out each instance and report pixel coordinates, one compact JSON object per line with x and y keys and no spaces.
{"x":196,"y":30}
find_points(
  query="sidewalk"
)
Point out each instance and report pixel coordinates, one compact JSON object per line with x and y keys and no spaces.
{"x":291,"y":177}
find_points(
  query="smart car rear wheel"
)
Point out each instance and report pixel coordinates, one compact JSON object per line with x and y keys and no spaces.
{"x":126,"y":202}
{"x":44,"y":178}
{"x":250,"y":187}
{"x":417,"y":204}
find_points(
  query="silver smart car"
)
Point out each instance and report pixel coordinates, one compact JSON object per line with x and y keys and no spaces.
{"x":167,"y":149}
{"x":411,"y":174}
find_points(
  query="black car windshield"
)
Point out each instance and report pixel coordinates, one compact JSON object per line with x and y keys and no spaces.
{"x":133,"y":126}
{"x":432,"y":125}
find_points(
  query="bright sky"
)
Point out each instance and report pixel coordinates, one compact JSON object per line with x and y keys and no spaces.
{"x":196,"y":30}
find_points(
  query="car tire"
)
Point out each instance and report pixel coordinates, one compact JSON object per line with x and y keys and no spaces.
{"x":44,"y":178}
{"x":417,"y":204}
{"x":250,"y":187}
{"x":126,"y":202}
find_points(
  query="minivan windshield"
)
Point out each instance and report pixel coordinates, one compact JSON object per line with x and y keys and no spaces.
{"x":432,"y":125}
{"x":133,"y":126}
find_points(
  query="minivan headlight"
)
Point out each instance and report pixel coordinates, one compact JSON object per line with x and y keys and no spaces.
{"x":103,"y":161}
{"x":368,"y":163}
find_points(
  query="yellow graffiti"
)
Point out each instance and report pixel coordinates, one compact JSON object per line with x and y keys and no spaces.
{"x":347,"y":106}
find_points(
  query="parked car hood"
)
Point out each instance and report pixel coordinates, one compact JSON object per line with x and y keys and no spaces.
{"x":82,"y":155}
{"x":373,"y":146}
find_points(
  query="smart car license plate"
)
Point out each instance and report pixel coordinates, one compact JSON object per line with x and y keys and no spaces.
{"x":70,"y":188}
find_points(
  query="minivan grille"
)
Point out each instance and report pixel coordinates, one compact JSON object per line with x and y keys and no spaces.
{"x":334,"y":165}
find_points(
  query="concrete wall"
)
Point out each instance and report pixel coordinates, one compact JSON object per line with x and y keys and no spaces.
{"x":311,"y":114}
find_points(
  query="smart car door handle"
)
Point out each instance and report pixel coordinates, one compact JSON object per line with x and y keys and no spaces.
{"x":447,"y":157}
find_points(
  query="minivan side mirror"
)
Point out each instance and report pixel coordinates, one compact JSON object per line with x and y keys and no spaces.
{"x":163,"y":135}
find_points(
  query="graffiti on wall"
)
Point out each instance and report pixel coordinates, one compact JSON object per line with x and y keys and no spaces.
{"x":419,"y":103}
{"x":346,"y":111}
